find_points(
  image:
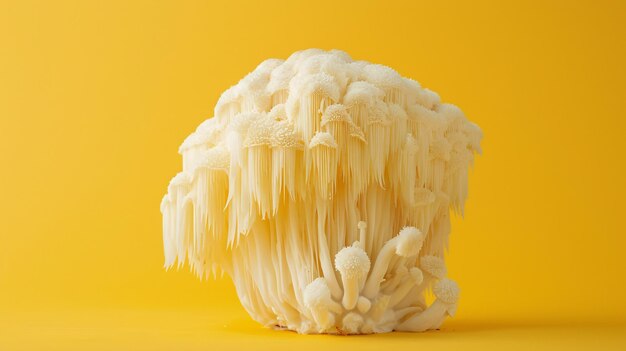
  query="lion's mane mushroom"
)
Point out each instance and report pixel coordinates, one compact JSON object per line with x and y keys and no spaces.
{"x":323,"y":187}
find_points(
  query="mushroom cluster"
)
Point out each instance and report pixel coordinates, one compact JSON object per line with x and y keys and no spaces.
{"x":323,"y":187}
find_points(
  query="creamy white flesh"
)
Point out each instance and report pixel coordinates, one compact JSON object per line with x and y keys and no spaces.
{"x":306,"y":157}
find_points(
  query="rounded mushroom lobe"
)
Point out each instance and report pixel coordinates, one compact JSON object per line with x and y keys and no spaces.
{"x":323,"y":138}
{"x":447,"y":291}
{"x":352,"y":322}
{"x":434,"y":266}
{"x":410,"y":240}
{"x":316,"y":293}
{"x":352,"y":262}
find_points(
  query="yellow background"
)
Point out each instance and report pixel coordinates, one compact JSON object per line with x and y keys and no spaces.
{"x":96,"y":96}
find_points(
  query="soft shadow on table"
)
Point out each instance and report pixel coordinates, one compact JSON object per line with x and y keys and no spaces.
{"x":457,"y":327}
{"x":483,"y":325}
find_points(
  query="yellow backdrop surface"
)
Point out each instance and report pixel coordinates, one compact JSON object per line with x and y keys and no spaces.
{"x":96,"y":96}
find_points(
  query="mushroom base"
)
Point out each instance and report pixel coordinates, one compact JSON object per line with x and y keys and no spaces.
{"x":394,"y":303}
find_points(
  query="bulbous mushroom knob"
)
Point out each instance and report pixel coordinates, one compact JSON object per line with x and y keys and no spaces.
{"x":318,"y":300}
{"x":433,"y":265}
{"x":410,"y":241}
{"x":353,"y":264}
{"x":447,"y":291}
{"x":352,"y":322}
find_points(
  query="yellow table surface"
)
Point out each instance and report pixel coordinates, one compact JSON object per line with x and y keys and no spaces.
{"x":128,"y":329}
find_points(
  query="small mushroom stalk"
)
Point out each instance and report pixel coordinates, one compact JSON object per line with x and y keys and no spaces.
{"x":447,"y":293}
{"x":406,"y":244}
{"x":433,"y":268}
{"x":317,"y":299}
{"x":353,"y":264}
{"x":413,"y":279}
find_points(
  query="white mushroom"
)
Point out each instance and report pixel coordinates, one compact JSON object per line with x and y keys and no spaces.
{"x":298,"y":155}
{"x":447,"y":293}
{"x":433,"y":265}
{"x":353,"y":264}
{"x":414,"y":278}
{"x":352,"y":322}
{"x":407,"y":243}
{"x":317,"y":299}
{"x":363,"y":304}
